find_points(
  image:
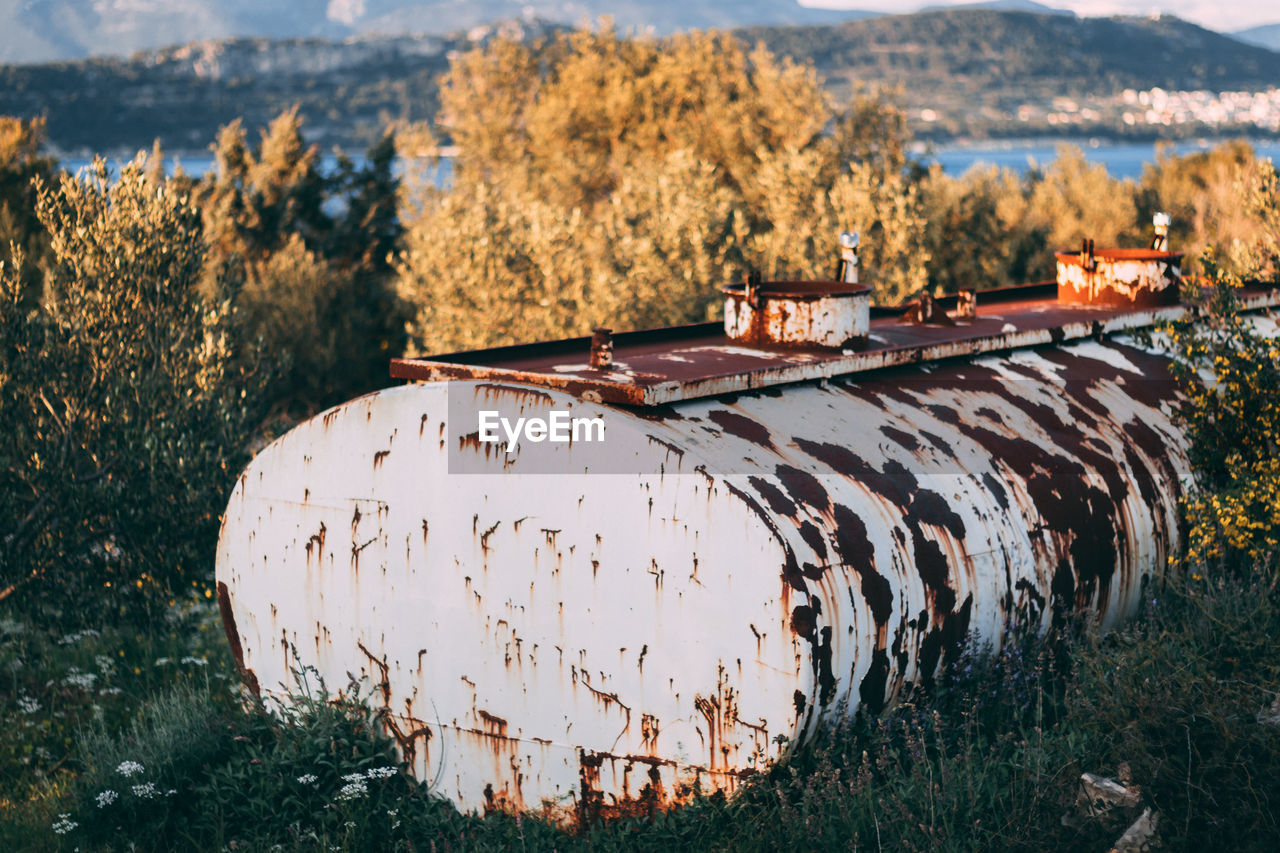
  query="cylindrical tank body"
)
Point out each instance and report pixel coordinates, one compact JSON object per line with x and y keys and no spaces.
{"x":590,"y":627}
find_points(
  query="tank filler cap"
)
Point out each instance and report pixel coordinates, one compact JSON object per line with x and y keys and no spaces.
{"x":797,"y":314}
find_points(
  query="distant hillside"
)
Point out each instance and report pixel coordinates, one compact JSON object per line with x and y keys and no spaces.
{"x":977,"y":51}
{"x":1267,"y":36}
{"x":52,"y":30}
{"x":347,"y":91}
{"x":970,"y":72}
{"x":973,"y":67}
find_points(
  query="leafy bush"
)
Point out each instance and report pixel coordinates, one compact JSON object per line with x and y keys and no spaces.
{"x":21,"y":162}
{"x":1233,"y":419}
{"x":55,"y":683}
{"x":617,"y":182}
{"x":306,"y":258}
{"x":124,"y":418}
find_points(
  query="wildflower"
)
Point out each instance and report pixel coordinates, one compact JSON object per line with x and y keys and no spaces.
{"x":380,"y":773}
{"x":64,"y":824}
{"x":353,"y":777}
{"x":129,"y":768}
{"x":161,"y":661}
{"x":145,"y":791}
{"x":353,"y":790}
{"x":28,"y":704}
{"x":77,"y":636}
{"x":83,"y":680}
{"x":110,"y":691}
{"x":106,"y":798}
{"x":308,"y":779}
{"x":194,"y":660}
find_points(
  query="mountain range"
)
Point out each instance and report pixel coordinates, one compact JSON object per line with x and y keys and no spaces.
{"x":1267,"y":36}
{"x":53,"y":30}
{"x":956,"y":73}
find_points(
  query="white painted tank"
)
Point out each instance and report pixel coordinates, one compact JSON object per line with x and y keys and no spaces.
{"x":587,"y":628}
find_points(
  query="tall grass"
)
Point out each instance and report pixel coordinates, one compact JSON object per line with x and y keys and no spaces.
{"x":989,"y":760}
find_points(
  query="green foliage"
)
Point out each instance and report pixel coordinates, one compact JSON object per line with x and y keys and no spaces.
{"x":1203,"y":192}
{"x":1073,"y":200}
{"x":976,"y":235}
{"x":1229,"y":368}
{"x":311,"y":285}
{"x":193,"y":773}
{"x":21,"y":163}
{"x":989,"y":760}
{"x":603,"y":181}
{"x":54,"y":684}
{"x":122,"y":413}
{"x":992,"y":228}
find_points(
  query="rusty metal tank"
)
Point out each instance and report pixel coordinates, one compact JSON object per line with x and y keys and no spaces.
{"x":1119,"y":277}
{"x":693,"y":553}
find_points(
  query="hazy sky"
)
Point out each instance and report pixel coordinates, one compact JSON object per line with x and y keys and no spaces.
{"x":1221,"y":15}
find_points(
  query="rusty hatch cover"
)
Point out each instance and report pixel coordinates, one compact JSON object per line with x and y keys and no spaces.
{"x":659,"y":366}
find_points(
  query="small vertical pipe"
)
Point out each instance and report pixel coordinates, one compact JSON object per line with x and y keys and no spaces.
{"x":1160,"y":240}
{"x":847,"y":268}
{"x":601,"y":349}
{"x":752,"y":292}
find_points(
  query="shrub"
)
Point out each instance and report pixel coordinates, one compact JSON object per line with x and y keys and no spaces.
{"x":21,"y":162}
{"x":1233,"y":419}
{"x":618,"y":182}
{"x":305,"y":255}
{"x":123,"y":417}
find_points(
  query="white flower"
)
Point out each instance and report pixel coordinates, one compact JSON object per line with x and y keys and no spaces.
{"x":28,"y":704}
{"x":353,"y":777}
{"x":161,"y":661}
{"x":129,"y":768}
{"x":146,"y":790}
{"x":380,"y":773}
{"x":196,"y":661}
{"x":106,"y":798}
{"x":110,"y":691}
{"x":308,"y":779}
{"x":77,"y":636}
{"x":83,"y":680}
{"x":64,"y":824}
{"x":353,"y":790}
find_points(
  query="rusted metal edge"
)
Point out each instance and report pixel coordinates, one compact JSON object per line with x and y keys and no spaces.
{"x":660,"y":393}
{"x":696,"y":331}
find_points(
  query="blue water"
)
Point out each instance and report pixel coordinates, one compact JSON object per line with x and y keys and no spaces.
{"x":205,"y":163}
{"x":1123,"y":160}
